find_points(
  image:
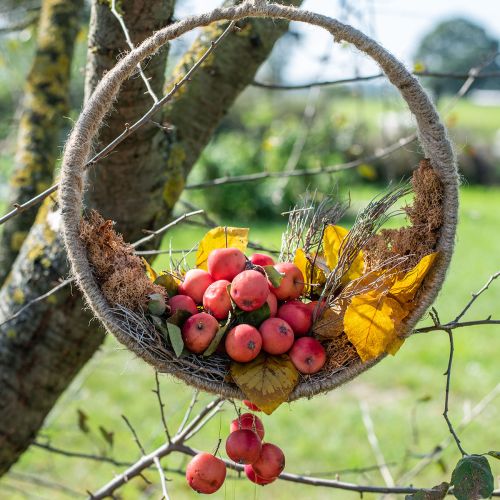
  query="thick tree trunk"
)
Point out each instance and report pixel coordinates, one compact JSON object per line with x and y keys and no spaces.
{"x":126,"y":187}
{"x":44,"y":107}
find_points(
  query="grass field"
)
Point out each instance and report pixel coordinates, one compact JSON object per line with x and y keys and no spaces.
{"x":319,"y":436}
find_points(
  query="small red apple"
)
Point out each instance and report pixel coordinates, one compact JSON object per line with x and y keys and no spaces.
{"x":292,"y":284}
{"x":250,"y":473}
{"x":198,"y":331}
{"x":205,"y":473}
{"x":297,"y":315}
{"x":243,"y":446}
{"x":261,"y":259}
{"x":249,"y":290}
{"x":277,"y":336}
{"x":243,"y":343}
{"x":182,"y":303}
{"x":196,"y":281}
{"x":248,"y":421}
{"x":272,"y":302}
{"x":226,"y":263}
{"x":270,"y":463}
{"x":216,"y":300}
{"x":308,"y":355}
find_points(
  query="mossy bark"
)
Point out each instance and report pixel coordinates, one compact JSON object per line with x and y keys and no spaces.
{"x":44,"y":107}
{"x":138,"y":185}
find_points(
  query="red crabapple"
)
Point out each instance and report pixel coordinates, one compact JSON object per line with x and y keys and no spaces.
{"x":243,"y":343}
{"x":297,"y":315}
{"x":272,"y":302}
{"x":182,"y":303}
{"x":249,"y":290}
{"x":292,"y":284}
{"x":248,"y":421}
{"x":277,"y":336}
{"x":216,"y":300}
{"x":270,"y":463}
{"x":196,"y":281}
{"x":205,"y":473}
{"x":260,"y":259}
{"x":226,"y":263}
{"x":250,"y":473}
{"x":198,"y":331}
{"x":250,"y":405}
{"x":243,"y":446}
{"x":308,"y":355}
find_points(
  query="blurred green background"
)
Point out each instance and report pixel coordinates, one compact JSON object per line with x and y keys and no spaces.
{"x":326,"y":435}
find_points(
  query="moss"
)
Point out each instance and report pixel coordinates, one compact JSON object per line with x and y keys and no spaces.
{"x":17,"y":239}
{"x":36,"y":252}
{"x":18,"y":296}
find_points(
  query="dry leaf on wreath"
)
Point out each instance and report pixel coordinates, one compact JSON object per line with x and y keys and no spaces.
{"x":370,"y":327}
{"x":332,"y":243}
{"x":405,"y":289}
{"x":152,"y":274}
{"x":305,"y":263}
{"x":267,"y":381}
{"x":331,"y":323}
{"x":220,"y":237}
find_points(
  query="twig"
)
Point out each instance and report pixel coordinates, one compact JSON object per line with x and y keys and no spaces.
{"x":128,"y":130}
{"x":376,"y":76}
{"x":162,"y":406}
{"x":447,"y":395}
{"x":163,"y":480}
{"x":123,"y":26}
{"x":134,"y":434}
{"x":381,"y":153}
{"x":438,"y":450}
{"x":373,"y":440}
{"x":194,"y":399}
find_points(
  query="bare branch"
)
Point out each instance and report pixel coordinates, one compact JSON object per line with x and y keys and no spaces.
{"x":163,"y":480}
{"x":162,"y":406}
{"x":134,"y":433}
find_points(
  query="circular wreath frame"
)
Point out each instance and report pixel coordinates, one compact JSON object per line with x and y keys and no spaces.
{"x":432,"y":135}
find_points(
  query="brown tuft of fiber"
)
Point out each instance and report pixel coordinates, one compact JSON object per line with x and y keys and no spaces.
{"x":425,"y":215}
{"x":340,"y":352}
{"x":117,"y":269}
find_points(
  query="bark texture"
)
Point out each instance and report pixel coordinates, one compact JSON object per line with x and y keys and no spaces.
{"x":42,"y":350}
{"x":44,"y":107}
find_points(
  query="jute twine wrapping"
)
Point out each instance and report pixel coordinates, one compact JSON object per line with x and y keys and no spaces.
{"x":432,"y":135}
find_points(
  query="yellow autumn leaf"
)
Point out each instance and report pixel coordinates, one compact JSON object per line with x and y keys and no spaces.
{"x":331,"y":322}
{"x":220,"y":237}
{"x":404,"y":289}
{"x":332,"y":243}
{"x":267,"y":381}
{"x":305,"y":263}
{"x":152,"y":274}
{"x":369,"y":323}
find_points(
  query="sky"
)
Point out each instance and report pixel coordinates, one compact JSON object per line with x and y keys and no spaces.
{"x":396,"y":24}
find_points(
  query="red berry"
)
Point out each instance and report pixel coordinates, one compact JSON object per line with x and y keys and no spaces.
{"x":292,"y":284}
{"x":250,"y":473}
{"x":297,"y":315}
{"x":277,"y":336}
{"x":250,"y":405}
{"x":248,"y":421}
{"x":216,"y":300}
{"x":198,"y":331}
{"x":272,"y":302}
{"x":182,"y":303}
{"x":243,"y":446}
{"x":270,"y":463}
{"x":249,"y":290}
{"x":196,"y":281}
{"x":243,"y":343}
{"x":205,"y":473}
{"x":226,"y":263}
{"x":261,"y":259}
{"x":308,"y":355}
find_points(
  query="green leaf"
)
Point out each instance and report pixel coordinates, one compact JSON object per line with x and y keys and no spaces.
{"x":218,"y":337}
{"x":273,"y":275}
{"x":494,"y":454}
{"x":254,"y":318}
{"x":168,"y":282}
{"x":437,"y":493}
{"x":107,"y":435}
{"x":82,"y":421}
{"x":472,"y":478}
{"x":179,"y":317}
{"x":171,"y":332}
{"x":157,"y":304}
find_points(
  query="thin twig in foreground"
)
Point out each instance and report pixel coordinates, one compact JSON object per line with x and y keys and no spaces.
{"x":162,"y":406}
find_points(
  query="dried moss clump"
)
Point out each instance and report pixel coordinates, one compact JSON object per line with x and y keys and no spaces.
{"x":340,"y":352}
{"x":118,"y":270}
{"x":425,"y":215}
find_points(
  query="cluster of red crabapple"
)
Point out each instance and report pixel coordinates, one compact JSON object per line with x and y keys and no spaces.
{"x":234,"y":282}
